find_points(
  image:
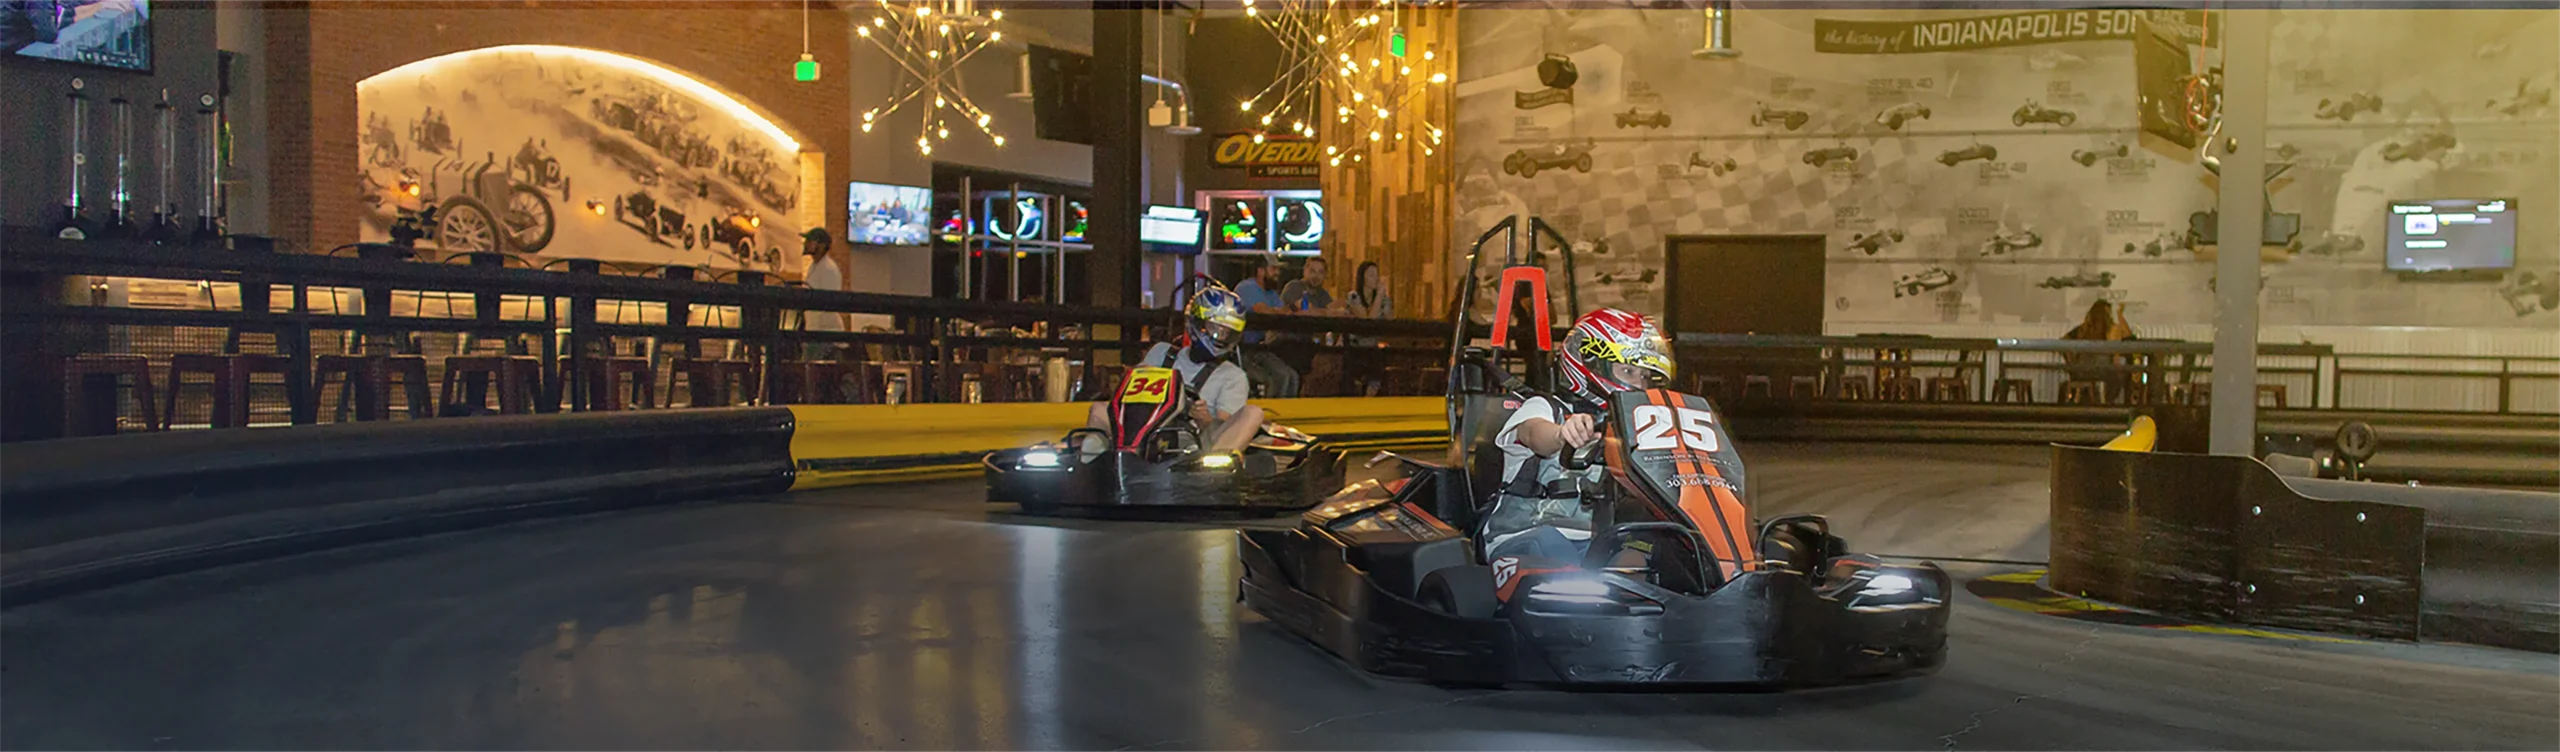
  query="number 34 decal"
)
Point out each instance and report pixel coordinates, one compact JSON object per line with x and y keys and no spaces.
{"x":1666,"y":427}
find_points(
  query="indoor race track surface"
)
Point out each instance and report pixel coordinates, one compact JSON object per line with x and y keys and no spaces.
{"x":920,"y":617}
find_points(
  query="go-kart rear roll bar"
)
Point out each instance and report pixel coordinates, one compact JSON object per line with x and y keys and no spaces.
{"x":1464,"y":301}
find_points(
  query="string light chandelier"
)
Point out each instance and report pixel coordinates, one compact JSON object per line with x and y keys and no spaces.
{"x":1356,"y":50}
{"x":929,"y":40}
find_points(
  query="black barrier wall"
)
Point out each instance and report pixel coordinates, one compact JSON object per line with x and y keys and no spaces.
{"x":2223,"y":539}
{"x":86,"y":513}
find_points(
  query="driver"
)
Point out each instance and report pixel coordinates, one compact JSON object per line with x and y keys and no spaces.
{"x":1202,"y":358}
{"x":1538,"y":510}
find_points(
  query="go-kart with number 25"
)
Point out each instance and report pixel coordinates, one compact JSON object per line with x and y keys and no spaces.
{"x":1377,"y":578}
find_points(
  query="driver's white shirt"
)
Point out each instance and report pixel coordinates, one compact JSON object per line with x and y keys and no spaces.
{"x":1515,"y":454}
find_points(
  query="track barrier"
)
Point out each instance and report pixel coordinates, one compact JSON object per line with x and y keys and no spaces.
{"x":2226,"y":539}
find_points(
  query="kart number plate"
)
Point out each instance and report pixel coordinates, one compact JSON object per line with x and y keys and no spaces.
{"x":1147,"y":385}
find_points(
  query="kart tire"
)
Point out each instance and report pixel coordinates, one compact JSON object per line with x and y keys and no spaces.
{"x":1464,"y":591}
{"x":1583,"y":164}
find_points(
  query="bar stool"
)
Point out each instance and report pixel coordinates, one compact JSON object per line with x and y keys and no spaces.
{"x":2084,"y":392}
{"x":1950,"y":389}
{"x":368,"y":384}
{"x":1900,"y":389}
{"x":90,"y":387}
{"x":518,"y":378}
{"x":605,"y":374}
{"x":231,"y":373}
{"x":1750,"y":380}
{"x":1710,"y":387}
{"x":712,"y":382}
{"x":1855,"y":388}
{"x":899,"y":382}
{"x":2013,"y":390}
{"x":812,"y":382}
{"x":1804,"y":387}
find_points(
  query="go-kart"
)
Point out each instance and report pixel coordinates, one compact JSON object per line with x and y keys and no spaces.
{"x":1155,"y":462}
{"x":1395,"y":577}
{"x":2526,"y":99}
{"x":2427,"y":145}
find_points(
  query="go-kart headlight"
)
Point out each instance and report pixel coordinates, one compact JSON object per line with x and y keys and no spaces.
{"x":1040,"y":458}
{"x":1217,"y":461}
{"x":1886,"y":591}
{"x":1887,"y":584}
{"x":1588,"y":596}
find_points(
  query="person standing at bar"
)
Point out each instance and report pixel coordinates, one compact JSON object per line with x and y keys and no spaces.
{"x":822,"y":274}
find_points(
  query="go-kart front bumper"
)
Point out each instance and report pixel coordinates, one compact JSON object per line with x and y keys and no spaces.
{"x":1256,"y":480}
{"x":1762,"y":629}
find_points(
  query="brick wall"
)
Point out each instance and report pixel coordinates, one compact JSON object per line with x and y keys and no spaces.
{"x":317,"y":51}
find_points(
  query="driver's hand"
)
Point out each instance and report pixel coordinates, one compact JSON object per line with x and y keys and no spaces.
{"x":1579,"y":430}
{"x":1200,"y":412}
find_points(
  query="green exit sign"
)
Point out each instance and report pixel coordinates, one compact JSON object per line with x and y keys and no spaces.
{"x":1395,"y":43}
{"x":805,"y":70}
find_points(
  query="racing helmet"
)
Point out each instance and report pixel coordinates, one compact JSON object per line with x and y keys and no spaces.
{"x":1215,"y":319}
{"x":1605,"y":338}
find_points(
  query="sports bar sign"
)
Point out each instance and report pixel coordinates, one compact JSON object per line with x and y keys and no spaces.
{"x":1274,"y":157}
{"x":1987,"y":32}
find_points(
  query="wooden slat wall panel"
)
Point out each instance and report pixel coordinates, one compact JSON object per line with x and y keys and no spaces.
{"x":1393,"y":206}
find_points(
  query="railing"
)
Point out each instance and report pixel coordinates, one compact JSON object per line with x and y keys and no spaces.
{"x":585,"y":307}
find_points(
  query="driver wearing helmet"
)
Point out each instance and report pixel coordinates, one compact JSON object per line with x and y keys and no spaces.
{"x":1202,"y":358}
{"x":1538,"y":511}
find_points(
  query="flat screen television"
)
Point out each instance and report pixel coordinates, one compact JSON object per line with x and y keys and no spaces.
{"x":1239,"y":224}
{"x":1072,"y":228}
{"x":1060,"y":82}
{"x":1015,"y":216}
{"x":106,"y":33}
{"x":1299,"y":223}
{"x":1170,"y":228}
{"x":2448,"y":235}
{"x":877,"y":214}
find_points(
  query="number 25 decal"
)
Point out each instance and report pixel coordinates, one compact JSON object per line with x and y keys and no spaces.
{"x":1656,"y":424}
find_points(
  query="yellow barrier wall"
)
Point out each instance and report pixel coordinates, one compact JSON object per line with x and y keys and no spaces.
{"x":840,"y":435}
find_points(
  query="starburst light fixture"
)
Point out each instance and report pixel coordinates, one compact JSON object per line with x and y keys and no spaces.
{"x":929,"y":40}
{"x":1335,"y":45}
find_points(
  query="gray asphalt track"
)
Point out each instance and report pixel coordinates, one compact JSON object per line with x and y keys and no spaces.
{"x":918,"y":617}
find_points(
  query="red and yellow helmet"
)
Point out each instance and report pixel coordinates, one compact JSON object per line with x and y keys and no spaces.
{"x":1611,"y":337}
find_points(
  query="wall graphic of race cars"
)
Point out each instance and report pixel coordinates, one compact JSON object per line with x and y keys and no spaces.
{"x":528,"y":148}
{"x":2006,"y":184}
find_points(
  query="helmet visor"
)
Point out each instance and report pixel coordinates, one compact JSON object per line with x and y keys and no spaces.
{"x":1220,"y":335}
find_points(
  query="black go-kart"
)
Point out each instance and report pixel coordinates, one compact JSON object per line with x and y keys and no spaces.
{"x":1394,"y":576}
{"x":1155,"y":462}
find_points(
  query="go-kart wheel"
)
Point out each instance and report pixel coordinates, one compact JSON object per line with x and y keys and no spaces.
{"x":1583,"y":164}
{"x":1463,"y":591}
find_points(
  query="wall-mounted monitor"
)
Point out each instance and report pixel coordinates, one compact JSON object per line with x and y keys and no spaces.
{"x":1071,"y":228}
{"x":2450,"y":235}
{"x":106,"y":33}
{"x":877,"y":214}
{"x":1298,"y":223}
{"x":1015,"y":216}
{"x":1236,"y":224}
{"x":1170,"y":228}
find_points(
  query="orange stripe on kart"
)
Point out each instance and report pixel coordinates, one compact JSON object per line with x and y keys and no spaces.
{"x":1713,"y":508}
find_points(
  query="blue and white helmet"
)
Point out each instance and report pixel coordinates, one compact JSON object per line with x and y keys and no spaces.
{"x":1216,"y":322}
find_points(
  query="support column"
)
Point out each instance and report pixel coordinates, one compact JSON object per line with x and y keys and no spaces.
{"x":1119,"y":151}
{"x":2242,"y":148}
